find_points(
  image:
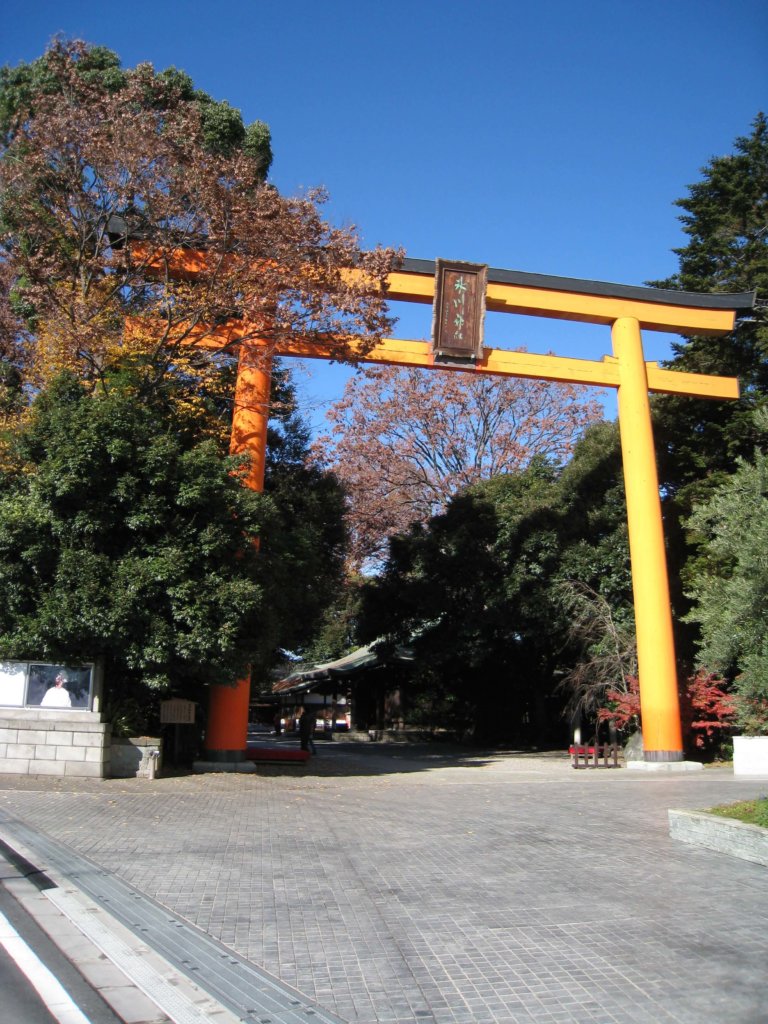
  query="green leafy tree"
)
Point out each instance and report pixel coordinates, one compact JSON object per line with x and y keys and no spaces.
{"x":441,"y":593}
{"x":338,"y":630}
{"x":304,"y":547}
{"x":726,"y":220}
{"x":729,"y":584}
{"x":124,"y":538}
{"x":99,"y":68}
{"x":698,"y":442}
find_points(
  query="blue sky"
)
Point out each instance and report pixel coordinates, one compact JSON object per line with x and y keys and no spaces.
{"x":550,"y":137}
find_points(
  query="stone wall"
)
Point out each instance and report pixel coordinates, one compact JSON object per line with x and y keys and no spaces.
{"x":38,"y":741}
{"x":725,"y":835}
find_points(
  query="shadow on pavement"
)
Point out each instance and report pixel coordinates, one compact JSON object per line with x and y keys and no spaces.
{"x":344,"y":758}
{"x":334,"y":759}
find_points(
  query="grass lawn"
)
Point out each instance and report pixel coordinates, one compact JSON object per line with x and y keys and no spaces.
{"x":753,"y":812}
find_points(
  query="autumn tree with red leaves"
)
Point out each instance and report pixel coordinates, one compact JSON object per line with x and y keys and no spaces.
{"x":403,"y":441}
{"x":106,"y":176}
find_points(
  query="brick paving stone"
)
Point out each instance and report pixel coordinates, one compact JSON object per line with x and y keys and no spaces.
{"x":395,"y":885}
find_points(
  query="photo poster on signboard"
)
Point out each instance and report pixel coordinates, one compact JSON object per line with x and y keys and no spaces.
{"x":59,"y":686}
{"x":36,"y":684}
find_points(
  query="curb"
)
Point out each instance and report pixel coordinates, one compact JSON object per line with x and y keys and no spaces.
{"x":177,"y":969}
{"x":139,"y":986}
{"x":724,"y":835}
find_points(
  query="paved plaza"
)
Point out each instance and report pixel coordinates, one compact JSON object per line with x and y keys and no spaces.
{"x":426,"y":884}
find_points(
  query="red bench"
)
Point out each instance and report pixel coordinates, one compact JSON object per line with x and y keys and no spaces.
{"x":591,"y":754}
{"x":280,"y":754}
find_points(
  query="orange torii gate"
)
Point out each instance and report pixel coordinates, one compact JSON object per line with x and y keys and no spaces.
{"x":627,"y":310}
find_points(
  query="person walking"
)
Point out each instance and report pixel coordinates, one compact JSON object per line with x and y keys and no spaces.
{"x":307,"y":723}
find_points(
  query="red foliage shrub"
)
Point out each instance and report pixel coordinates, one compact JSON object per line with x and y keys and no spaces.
{"x":707,"y":710}
{"x":623,"y":707}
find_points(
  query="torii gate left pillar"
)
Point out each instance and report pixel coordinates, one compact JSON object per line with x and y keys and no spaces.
{"x":226,"y":733}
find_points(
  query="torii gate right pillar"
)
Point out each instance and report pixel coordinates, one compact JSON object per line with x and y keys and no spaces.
{"x":659,"y":701}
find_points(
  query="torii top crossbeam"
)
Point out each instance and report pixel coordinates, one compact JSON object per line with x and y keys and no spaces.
{"x":596,"y":302}
{"x":511,"y":291}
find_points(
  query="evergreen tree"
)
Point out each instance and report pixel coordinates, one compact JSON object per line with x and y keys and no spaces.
{"x":729,"y":584}
{"x":726,"y":221}
{"x":304,"y":547}
{"x":22,"y":87}
{"x":699,"y":442}
{"x":123,"y":537}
